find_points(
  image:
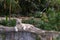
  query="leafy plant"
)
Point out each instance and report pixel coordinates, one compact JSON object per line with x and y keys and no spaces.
{"x":11,"y":22}
{"x":57,"y":38}
{"x":38,"y":14}
{"x":3,"y":22}
{"x":8,"y":22}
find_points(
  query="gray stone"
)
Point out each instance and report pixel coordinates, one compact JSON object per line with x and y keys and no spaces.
{"x":20,"y":36}
{"x":1,"y":37}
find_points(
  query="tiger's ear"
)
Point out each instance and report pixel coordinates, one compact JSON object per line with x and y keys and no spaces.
{"x":19,"y":20}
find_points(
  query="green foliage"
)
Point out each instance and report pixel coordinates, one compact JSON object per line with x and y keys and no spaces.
{"x":8,"y":22}
{"x":57,"y":38}
{"x":11,"y":22}
{"x":53,"y":18}
{"x":15,"y":8}
{"x":27,"y":7}
{"x":38,"y":14}
{"x":3,"y":22}
{"x":6,"y":18}
{"x":30,"y":21}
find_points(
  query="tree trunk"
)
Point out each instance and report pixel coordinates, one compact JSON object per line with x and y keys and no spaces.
{"x":10,"y":10}
{"x":4,"y":4}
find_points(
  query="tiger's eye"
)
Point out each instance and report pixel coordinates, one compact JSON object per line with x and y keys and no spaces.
{"x":18,"y":23}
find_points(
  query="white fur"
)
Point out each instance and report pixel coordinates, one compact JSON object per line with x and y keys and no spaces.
{"x":16,"y":29}
{"x":24,"y":26}
{"x":43,"y":31}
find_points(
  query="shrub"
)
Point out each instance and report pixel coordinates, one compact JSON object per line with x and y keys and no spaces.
{"x":11,"y":22}
{"x":57,"y":38}
{"x":3,"y":22}
{"x":8,"y":22}
{"x":38,"y":14}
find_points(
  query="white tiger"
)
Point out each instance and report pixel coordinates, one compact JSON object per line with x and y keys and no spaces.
{"x":20,"y":25}
{"x":28,"y":27}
